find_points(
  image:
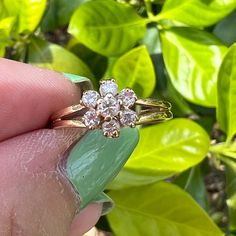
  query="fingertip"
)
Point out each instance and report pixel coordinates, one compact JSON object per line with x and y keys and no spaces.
{"x":30,"y":95}
{"x":86,"y":219}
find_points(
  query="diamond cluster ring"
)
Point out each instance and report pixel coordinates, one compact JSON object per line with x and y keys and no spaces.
{"x":110,"y":110}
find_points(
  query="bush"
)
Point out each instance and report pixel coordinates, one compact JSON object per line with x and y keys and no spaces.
{"x":181,"y":51}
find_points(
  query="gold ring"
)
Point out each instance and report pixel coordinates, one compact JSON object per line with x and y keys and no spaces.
{"x":110,"y":110}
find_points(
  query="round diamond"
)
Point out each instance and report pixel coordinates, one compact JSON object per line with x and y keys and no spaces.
{"x":111,"y":128}
{"x":91,"y":119}
{"x":128,"y":117}
{"x":108,"y":86}
{"x":108,"y":106}
{"x":89,"y":98}
{"x":128,"y":97}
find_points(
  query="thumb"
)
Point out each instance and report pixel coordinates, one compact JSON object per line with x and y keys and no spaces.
{"x":36,"y":198}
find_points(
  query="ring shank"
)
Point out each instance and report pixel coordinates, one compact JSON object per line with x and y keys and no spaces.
{"x":149,"y":111}
{"x":68,"y":124}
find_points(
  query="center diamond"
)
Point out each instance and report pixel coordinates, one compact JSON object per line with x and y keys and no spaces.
{"x":108,"y":106}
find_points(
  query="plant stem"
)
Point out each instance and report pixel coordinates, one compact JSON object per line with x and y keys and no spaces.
{"x":148,"y":6}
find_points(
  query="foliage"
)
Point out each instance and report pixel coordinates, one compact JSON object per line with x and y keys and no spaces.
{"x":182,"y":51}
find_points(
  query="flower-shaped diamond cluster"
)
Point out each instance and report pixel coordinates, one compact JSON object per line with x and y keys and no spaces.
{"x":109,"y":110}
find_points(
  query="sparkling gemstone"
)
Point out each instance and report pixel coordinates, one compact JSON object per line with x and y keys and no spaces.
{"x":128,"y":117}
{"x":128,"y":97}
{"x":91,"y":119}
{"x":111,"y":128}
{"x":89,"y":98}
{"x":108,"y":106}
{"x":108,"y":86}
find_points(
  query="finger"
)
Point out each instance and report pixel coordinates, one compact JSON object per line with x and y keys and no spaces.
{"x":85,"y":220}
{"x":35,"y":197}
{"x":29,"y":95}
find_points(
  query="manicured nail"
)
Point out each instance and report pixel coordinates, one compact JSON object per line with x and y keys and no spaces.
{"x":83,"y":82}
{"x":95,"y":161}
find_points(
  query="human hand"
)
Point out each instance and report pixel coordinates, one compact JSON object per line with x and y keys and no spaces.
{"x":36,"y":199}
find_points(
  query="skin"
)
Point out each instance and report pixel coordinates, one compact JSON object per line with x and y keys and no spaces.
{"x":36,"y":198}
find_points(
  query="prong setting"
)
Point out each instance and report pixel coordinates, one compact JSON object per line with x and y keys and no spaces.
{"x":108,"y":118}
{"x":115,"y":134}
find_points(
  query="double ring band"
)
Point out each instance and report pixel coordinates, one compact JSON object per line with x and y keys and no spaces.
{"x":111,"y":111}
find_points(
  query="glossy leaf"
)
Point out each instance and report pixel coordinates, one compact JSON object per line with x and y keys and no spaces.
{"x":6,"y":25}
{"x":155,"y":1}
{"x":29,"y":12}
{"x":180,"y":107}
{"x":55,"y":57}
{"x":198,"y":13}
{"x":161,"y":209}
{"x":164,"y":88}
{"x":192,"y":181}
{"x":230,"y":173}
{"x":164,"y":150}
{"x":96,"y":62}
{"x":225,"y":29}
{"x":5,"y":28}
{"x":152,"y":40}
{"x":192,"y":58}
{"x":107,"y":27}
{"x":135,"y":70}
{"x":58,"y":13}
{"x":2,"y":50}
{"x":224,"y":149}
{"x":226,"y":109}
{"x":3,"y":12}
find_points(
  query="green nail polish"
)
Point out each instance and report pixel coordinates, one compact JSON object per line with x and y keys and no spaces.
{"x":95,"y":160}
{"x":83,"y":82}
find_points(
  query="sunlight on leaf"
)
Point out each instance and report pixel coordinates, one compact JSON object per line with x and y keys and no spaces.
{"x":135,"y":70}
{"x":192,"y":58}
{"x":226,"y":109}
{"x":29,"y":13}
{"x":198,"y":13}
{"x":107,"y":27}
{"x":161,"y":209}
{"x":164,"y":150}
{"x":55,"y":57}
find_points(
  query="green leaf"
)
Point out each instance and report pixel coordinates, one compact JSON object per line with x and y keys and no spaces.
{"x":164,"y":150}
{"x":197,"y":13}
{"x":29,"y":13}
{"x":58,"y":13}
{"x":164,"y":88}
{"x":192,"y":181}
{"x":155,"y":1}
{"x":192,"y":58}
{"x":161,"y":209}
{"x":107,"y":27}
{"x":152,"y":40}
{"x":3,"y":12}
{"x":6,"y":25}
{"x":180,"y":107}
{"x":225,"y":29}
{"x":135,"y":70}
{"x":96,"y":62}
{"x":225,"y":149}
{"x":226,"y":109}
{"x":230,"y":173}
{"x":48,"y":55}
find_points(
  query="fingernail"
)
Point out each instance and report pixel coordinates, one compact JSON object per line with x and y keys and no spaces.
{"x":95,"y":161}
{"x":83,"y":82}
